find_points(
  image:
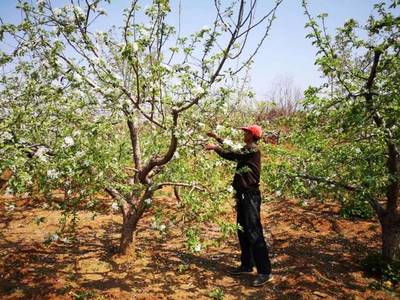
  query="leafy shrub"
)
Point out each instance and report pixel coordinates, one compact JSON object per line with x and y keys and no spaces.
{"x":375,"y":265}
{"x":217,"y":294}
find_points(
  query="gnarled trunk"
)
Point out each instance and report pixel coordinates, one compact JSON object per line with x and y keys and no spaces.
{"x":128,"y":229}
{"x":391,"y":239}
{"x":132,"y":212}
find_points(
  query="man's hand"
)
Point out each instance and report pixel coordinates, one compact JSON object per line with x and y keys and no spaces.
{"x":212,"y":135}
{"x":210,"y":147}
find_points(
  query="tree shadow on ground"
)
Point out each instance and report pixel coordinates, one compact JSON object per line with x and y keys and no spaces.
{"x":306,"y":259}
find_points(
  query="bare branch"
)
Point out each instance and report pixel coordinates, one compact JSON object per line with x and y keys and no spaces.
{"x":180,"y":184}
{"x":134,"y":136}
{"x":217,"y":5}
{"x":128,"y":18}
{"x":137,"y":106}
{"x":114,"y":193}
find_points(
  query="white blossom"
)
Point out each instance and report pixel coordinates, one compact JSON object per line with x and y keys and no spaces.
{"x":198,"y":90}
{"x":77,"y":77}
{"x":52,"y":174}
{"x":115,"y":206}
{"x":230,"y":189}
{"x":228,"y":142}
{"x":66,"y":240}
{"x":162,"y":227}
{"x":9,"y":191}
{"x":234,"y":131}
{"x":236,"y":146}
{"x":6,"y":136}
{"x":205,"y":28}
{"x":219,"y":128}
{"x":4,"y":112}
{"x":10,"y":206}
{"x":68,"y":8}
{"x":57,"y":12}
{"x":57,"y":85}
{"x":278,"y":193}
{"x":197,"y":248}
{"x":135,"y":47}
{"x":54,"y":237}
{"x":40,"y":152}
{"x":147,"y":201}
{"x":79,"y":153}
{"x":79,"y":10}
{"x":68,"y":141}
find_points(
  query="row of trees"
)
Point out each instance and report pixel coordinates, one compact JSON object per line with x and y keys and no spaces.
{"x":354,"y":132}
{"x":73,"y":95}
{"x":122,"y":111}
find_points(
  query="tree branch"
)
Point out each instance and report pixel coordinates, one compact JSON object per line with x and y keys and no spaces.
{"x":374,"y":203}
{"x":180,"y":184}
{"x":160,"y":161}
{"x":134,"y":137}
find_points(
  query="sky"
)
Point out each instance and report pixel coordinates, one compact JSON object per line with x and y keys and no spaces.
{"x":285,"y":53}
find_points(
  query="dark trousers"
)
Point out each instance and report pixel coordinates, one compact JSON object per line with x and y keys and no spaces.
{"x":251,"y":238}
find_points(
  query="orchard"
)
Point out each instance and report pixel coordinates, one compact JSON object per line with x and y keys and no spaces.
{"x":111,"y":121}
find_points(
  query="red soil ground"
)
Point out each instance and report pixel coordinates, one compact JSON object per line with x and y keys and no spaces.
{"x":315,"y":254}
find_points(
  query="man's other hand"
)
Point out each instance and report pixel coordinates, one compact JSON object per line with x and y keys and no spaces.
{"x":210,"y":147}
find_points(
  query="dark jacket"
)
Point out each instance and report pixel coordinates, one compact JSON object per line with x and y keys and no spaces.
{"x":247,"y":174}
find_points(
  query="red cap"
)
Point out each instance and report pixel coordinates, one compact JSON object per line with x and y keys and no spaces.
{"x":255,"y":130}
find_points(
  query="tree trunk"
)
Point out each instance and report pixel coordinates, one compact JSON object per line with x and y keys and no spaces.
{"x":391,"y":240}
{"x":128,"y":230}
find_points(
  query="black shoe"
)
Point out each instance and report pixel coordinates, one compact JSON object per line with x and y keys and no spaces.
{"x":240,"y":270}
{"x":262,"y":279}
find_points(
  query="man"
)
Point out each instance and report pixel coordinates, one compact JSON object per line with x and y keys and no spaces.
{"x":246,"y":184}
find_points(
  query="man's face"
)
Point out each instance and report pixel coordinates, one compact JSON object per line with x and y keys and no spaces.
{"x":247,"y":137}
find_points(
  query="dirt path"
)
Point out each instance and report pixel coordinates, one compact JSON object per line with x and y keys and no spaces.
{"x":315,"y":255}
